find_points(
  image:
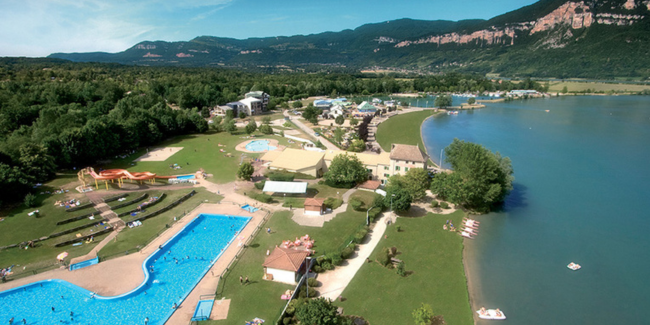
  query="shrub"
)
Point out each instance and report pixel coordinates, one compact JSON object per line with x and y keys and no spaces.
{"x":335,"y":258}
{"x":398,"y":228}
{"x":327,"y":266}
{"x":332,"y":203}
{"x":400,"y":269}
{"x":281,"y":176}
{"x":317,"y":269}
{"x":373,"y":213}
{"x":260,"y":185}
{"x":320,"y":260}
{"x":356,"y":204}
{"x":382,"y":257}
{"x":30,"y":200}
{"x":312,"y":293}
{"x":444,"y":205}
{"x":435,"y":204}
{"x":347,"y":252}
{"x":360,"y":235}
{"x":264,"y":198}
{"x":286,"y":320}
{"x":312,"y":282}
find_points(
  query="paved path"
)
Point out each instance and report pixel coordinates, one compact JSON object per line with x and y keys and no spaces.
{"x":300,"y":218}
{"x":310,"y":132}
{"x":334,"y":282}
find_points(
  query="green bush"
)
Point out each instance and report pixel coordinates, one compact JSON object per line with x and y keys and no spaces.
{"x":264,"y":198}
{"x":335,"y":258}
{"x":374,"y":213}
{"x":347,"y":252}
{"x":286,"y":320}
{"x":317,"y":269}
{"x":260,"y":185}
{"x":360,"y":235}
{"x":281,"y":177}
{"x":320,"y":260}
{"x":332,"y":203}
{"x":435,"y":204}
{"x":30,"y":200}
{"x":400,"y":269}
{"x":303,"y":293}
{"x":444,"y":205}
{"x":356,"y":204}
{"x":398,"y":228}
{"x":312,"y":282}
{"x":327,"y":266}
{"x":383,"y":257}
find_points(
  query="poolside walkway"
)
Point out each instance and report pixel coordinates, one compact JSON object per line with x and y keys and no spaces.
{"x":334,"y":282}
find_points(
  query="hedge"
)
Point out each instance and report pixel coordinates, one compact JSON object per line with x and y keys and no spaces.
{"x":76,"y":240}
{"x":63,"y":222}
{"x":281,"y":177}
{"x":65,"y":232}
{"x":79,"y":207}
{"x":171,"y":205}
{"x":116,"y":197}
{"x":138,"y":199}
{"x":160,"y":197}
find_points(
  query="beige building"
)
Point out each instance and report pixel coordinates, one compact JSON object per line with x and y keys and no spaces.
{"x":380,"y":166}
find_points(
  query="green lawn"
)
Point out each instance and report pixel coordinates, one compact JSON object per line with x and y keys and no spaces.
{"x":403,"y":129}
{"x":433,"y":257}
{"x":199,"y":151}
{"x":131,"y":238}
{"x":262,"y":298}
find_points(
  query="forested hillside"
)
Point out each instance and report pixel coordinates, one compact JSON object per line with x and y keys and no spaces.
{"x":56,"y":114}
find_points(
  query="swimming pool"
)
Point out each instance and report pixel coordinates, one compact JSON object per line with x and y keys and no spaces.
{"x":259,"y":145}
{"x":177,"y":268}
{"x":186,"y":177}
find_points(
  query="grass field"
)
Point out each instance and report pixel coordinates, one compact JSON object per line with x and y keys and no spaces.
{"x":261,"y":298}
{"x":433,"y":260}
{"x":133,"y":238}
{"x":574,"y":86}
{"x":199,"y":151}
{"x":403,"y":128}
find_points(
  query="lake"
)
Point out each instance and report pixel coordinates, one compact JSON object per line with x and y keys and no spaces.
{"x":581,"y":195}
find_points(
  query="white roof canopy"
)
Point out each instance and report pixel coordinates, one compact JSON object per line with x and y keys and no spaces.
{"x":285,"y":187}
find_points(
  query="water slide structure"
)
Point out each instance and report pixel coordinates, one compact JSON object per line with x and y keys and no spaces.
{"x":118,"y":174}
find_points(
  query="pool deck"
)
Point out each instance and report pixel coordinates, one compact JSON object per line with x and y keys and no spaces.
{"x":123,"y":274}
{"x":272,"y":142}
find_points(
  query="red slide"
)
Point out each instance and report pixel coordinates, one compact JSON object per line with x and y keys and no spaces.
{"x":123,"y":173}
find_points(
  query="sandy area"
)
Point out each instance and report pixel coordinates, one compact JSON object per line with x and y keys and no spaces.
{"x":159,"y":154}
{"x":242,"y":146}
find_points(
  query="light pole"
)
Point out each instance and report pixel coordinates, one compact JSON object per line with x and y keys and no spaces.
{"x":367,"y":216}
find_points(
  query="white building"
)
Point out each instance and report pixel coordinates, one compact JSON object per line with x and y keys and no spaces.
{"x":264,"y":97}
{"x":252,"y":106}
{"x":285,"y":265}
{"x":336,"y":111}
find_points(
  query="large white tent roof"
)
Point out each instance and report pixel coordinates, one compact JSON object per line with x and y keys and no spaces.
{"x":285,"y":187}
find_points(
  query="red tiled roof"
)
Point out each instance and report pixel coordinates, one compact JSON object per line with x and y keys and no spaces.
{"x":314,"y":202}
{"x":285,"y":259}
{"x":370,"y":184}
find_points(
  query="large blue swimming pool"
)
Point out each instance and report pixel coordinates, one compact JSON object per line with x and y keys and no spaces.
{"x":259,"y":145}
{"x":177,"y":267}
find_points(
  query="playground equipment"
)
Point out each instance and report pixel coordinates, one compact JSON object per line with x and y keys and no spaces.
{"x":119,"y":175}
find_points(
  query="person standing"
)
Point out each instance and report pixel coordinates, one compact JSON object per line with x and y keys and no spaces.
{"x":241,"y":280}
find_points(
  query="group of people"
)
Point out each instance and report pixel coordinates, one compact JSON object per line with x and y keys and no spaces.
{"x":243,"y":281}
{"x":4,"y":273}
{"x":449,"y":226}
{"x":67,"y":203}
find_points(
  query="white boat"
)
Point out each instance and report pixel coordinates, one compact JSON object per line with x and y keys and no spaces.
{"x":574,"y":266}
{"x":491,"y":314}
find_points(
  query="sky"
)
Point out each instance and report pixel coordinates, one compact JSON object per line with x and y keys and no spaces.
{"x":37,"y":28}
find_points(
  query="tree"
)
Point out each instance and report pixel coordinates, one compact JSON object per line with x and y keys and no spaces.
{"x":338,"y":135}
{"x":230,"y":126}
{"x":401,"y":199}
{"x":36,"y":162}
{"x":311,"y":114}
{"x":297,"y":104}
{"x":481,"y":179}
{"x":242,"y":115}
{"x":354,"y":121}
{"x":266,"y":129}
{"x":423,"y":315}
{"x":205,"y":112}
{"x":565,"y":90}
{"x":417,"y":182}
{"x":443,"y":101}
{"x":30,"y":200}
{"x":245,"y":171}
{"x":339,"y":120}
{"x":357,"y":146}
{"x":251,"y":127}
{"x":333,"y":94}
{"x":345,"y":171}
{"x":266,"y":120}
{"x":471,"y":100}
{"x":319,"y":311}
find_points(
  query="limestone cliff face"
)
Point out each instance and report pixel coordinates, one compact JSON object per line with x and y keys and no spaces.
{"x":575,"y":15}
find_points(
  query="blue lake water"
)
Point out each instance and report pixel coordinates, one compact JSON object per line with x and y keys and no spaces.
{"x":177,"y":268}
{"x":581,"y":195}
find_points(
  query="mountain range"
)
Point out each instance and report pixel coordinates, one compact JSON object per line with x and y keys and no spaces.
{"x":550,"y":38}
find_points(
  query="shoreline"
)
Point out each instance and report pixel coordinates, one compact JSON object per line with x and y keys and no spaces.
{"x":473,"y":285}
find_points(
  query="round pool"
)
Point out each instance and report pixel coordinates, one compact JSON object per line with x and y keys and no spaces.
{"x":259,"y":145}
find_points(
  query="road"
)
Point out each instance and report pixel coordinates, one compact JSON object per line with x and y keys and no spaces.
{"x":310,"y":132}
